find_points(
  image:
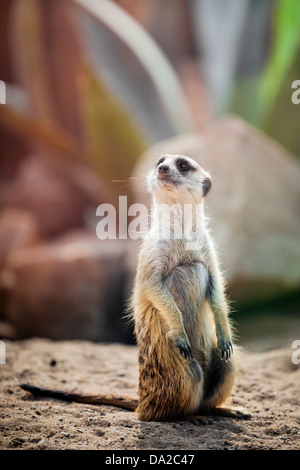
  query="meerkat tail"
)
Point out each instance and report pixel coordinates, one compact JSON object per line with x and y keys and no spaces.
{"x":127,"y":403}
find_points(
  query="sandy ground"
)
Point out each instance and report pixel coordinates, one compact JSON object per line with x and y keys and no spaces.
{"x":268,"y":386}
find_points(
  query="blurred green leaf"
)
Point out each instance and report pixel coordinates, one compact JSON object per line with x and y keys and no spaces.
{"x":284,"y":49}
{"x":113,"y":142}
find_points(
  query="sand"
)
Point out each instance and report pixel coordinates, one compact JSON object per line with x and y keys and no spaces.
{"x":268,"y":386}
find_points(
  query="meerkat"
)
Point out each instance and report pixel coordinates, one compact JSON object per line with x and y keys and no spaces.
{"x":179,"y":308}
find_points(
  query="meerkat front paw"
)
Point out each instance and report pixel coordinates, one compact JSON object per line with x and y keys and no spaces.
{"x":184,"y":347}
{"x":225,"y":345}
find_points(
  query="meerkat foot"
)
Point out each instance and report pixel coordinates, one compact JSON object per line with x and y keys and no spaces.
{"x":225,"y":345}
{"x":237,"y":413}
{"x":184,"y":348}
{"x":199,"y":420}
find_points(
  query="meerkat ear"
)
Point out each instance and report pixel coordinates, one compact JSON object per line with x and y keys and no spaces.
{"x":206,"y":185}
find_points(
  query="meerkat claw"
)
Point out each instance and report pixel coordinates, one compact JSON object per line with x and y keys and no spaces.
{"x":226,"y":349}
{"x":186,"y":352}
{"x":185,"y":349}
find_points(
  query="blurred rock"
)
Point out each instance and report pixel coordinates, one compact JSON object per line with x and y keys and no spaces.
{"x":253,"y":205}
{"x":56,"y":203}
{"x":7,"y":330}
{"x":18,"y":229}
{"x":73,"y":287}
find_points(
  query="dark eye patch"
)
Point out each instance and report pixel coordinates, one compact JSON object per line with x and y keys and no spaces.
{"x":184,"y":166}
{"x":206,"y":185}
{"x":161,"y":160}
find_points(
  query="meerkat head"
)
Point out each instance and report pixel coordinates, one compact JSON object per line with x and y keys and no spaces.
{"x":178,"y":178}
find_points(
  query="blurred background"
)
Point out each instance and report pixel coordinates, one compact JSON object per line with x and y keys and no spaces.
{"x":95,"y":91}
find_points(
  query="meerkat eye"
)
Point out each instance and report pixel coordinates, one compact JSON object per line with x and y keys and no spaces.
{"x":183,"y":166}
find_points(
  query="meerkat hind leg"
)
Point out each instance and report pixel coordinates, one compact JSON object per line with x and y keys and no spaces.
{"x":238,"y":413}
{"x":205,"y":417}
{"x":218,"y":386}
{"x":198,"y":420}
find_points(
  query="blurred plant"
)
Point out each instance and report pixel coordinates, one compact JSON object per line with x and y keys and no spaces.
{"x":112,"y":141}
{"x":71,"y":115}
{"x":249,"y":52}
{"x":284,"y":49}
{"x":150,"y":56}
{"x":218,"y":27}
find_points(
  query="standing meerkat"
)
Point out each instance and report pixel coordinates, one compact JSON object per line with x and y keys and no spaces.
{"x":179,"y":308}
{"x":179,"y":305}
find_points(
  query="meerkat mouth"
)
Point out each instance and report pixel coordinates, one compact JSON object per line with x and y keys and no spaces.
{"x":166,"y":179}
{"x":167,"y":184}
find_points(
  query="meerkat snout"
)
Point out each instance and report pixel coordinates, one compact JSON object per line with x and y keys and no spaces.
{"x":163,"y":169}
{"x":163,"y":173}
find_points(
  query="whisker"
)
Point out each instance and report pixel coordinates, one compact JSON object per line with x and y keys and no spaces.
{"x":125,"y":180}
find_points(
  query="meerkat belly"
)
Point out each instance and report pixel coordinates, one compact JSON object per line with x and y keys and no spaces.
{"x":188,"y":286}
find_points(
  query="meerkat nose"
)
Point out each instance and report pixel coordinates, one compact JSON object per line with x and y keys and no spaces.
{"x":163,"y":169}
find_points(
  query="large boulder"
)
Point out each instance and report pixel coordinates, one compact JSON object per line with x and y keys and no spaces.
{"x":253,"y":207}
{"x":74,"y":287}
